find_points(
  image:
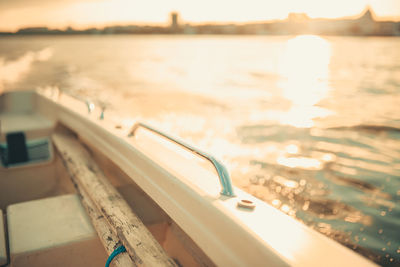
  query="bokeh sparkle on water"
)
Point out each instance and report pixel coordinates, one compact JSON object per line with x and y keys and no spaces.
{"x":309,"y":124}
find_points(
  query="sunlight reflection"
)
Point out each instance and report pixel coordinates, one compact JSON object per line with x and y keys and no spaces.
{"x":292,"y":149}
{"x":305,"y":73}
{"x":301,"y":162}
{"x":285,"y":182}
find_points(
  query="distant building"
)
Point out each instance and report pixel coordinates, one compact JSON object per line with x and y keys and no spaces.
{"x":396,"y":29}
{"x":174,"y":21}
{"x":189,"y":29}
{"x":366,"y":23}
{"x":298,"y":23}
{"x":33,"y":30}
{"x":298,"y":17}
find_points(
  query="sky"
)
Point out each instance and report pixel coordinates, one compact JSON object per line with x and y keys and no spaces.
{"x":15,"y":14}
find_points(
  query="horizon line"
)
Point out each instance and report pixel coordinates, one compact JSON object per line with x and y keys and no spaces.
{"x":194,"y":23}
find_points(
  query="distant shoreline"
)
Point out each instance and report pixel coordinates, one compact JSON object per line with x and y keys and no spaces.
{"x":295,"y":24}
{"x":5,"y":34}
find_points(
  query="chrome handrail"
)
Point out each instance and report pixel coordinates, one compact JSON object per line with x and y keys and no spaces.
{"x":89,"y":104}
{"x":223,"y":174}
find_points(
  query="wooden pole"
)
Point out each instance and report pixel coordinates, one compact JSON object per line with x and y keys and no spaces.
{"x":108,"y":238}
{"x":143,"y":249}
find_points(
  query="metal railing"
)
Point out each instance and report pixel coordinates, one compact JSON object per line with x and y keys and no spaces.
{"x":223,"y":174}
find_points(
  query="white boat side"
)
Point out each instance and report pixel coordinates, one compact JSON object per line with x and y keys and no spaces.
{"x":187,"y":189}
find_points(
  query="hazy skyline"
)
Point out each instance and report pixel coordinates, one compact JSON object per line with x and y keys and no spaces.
{"x":15,"y":14}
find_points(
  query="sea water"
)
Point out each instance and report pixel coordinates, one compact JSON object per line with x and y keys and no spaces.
{"x":309,"y":124}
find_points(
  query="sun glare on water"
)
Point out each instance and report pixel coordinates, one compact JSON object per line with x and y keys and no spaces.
{"x":305,"y":72}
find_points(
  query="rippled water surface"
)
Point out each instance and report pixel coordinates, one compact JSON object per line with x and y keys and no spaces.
{"x":309,"y":124}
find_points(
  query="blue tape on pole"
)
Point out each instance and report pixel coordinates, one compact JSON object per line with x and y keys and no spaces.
{"x":116,"y":251}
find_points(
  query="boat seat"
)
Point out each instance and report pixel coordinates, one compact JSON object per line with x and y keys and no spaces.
{"x":3,"y":253}
{"x":24,"y":138}
{"x":53,"y":232}
{"x":33,"y":125}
